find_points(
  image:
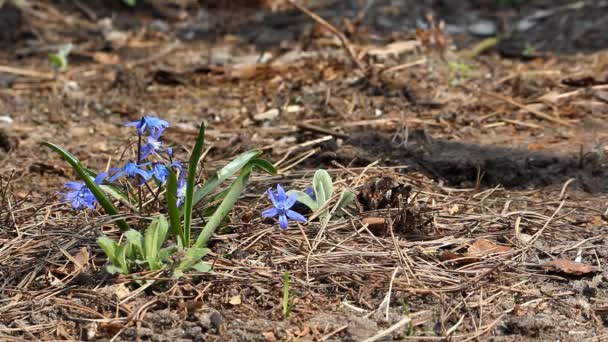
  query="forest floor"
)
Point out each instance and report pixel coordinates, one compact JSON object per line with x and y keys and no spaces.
{"x":498,"y":155}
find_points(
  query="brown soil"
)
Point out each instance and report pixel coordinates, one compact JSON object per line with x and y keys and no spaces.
{"x":507,"y":146}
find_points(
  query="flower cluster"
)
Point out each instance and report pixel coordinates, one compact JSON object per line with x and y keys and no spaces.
{"x":80,"y":196}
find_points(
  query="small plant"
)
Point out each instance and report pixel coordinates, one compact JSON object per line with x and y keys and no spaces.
{"x":318,"y":200}
{"x":286,"y":307}
{"x":59,"y":60}
{"x":153,"y":249}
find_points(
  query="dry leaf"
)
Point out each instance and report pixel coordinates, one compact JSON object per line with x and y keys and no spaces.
{"x":485,"y":246}
{"x":375,"y":224}
{"x":121,"y":291}
{"x":568,"y":267}
{"x":235,"y":300}
{"x":458,"y":259}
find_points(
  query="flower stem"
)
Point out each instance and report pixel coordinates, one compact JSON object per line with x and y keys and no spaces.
{"x":138,"y":177}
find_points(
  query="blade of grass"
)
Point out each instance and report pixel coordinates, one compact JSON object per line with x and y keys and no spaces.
{"x":224,"y":208}
{"x":95,"y":189}
{"x":197,"y":151}
{"x":174,"y":218}
{"x":224,"y":173}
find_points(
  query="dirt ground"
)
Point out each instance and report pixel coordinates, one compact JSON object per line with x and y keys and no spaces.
{"x":496,"y":148}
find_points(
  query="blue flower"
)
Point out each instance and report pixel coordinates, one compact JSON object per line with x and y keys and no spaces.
{"x":151,"y":146}
{"x":79,"y":196}
{"x":181,"y":191}
{"x":131,"y":170}
{"x":160,"y":172}
{"x":282,"y":207}
{"x":153,"y":124}
{"x":310,"y":191}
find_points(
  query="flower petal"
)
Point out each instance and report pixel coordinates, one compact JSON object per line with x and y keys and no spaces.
{"x":270,"y":212}
{"x":74,"y":185}
{"x":273,"y":198}
{"x":283,"y":223}
{"x":101,"y":177}
{"x":294,"y":215}
{"x":281,"y":194}
{"x":116,"y":176}
{"x":290,"y":201}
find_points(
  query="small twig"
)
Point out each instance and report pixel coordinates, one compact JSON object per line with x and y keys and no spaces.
{"x":345,"y":42}
{"x":309,"y":127}
{"x":536,"y":112}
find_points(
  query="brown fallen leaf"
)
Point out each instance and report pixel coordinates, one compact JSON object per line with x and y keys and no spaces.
{"x":375,"y":224}
{"x":485,"y":246}
{"x":568,"y":267}
{"x":457,"y":258}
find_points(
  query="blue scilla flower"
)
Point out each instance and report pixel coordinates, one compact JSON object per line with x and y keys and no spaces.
{"x":161,"y":171}
{"x":79,"y":195}
{"x":131,"y":170}
{"x":152,"y":124}
{"x":282,"y":207}
{"x":152,"y":145}
{"x":181,"y":190}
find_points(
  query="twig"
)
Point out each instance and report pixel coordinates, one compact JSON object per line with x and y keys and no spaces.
{"x":345,"y":42}
{"x":536,"y":112}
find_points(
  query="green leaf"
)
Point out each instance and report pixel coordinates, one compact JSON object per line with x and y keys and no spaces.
{"x":59,"y":60}
{"x":323,"y":186}
{"x":202,"y":267}
{"x":224,"y":173}
{"x":224,"y":208}
{"x":193,"y":255}
{"x":263,"y":165}
{"x":136,"y":240}
{"x":95,"y":189}
{"x":131,"y":3}
{"x":305,"y":199}
{"x":346,"y":198}
{"x":111,"y":190}
{"x":285,"y":294}
{"x":113,"y":269}
{"x":165,"y":253}
{"x":174,"y":217}
{"x":154,"y":238}
{"x":108,"y":246}
{"x":121,"y":258}
{"x":197,"y":151}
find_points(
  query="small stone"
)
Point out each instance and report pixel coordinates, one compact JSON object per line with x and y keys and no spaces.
{"x":484,"y":28}
{"x":267,"y":115}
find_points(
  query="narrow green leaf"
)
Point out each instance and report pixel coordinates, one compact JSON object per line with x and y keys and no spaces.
{"x":263,"y":165}
{"x":305,"y":199}
{"x":121,"y":258}
{"x":155,"y":236}
{"x":224,"y":208}
{"x":112,"y":190}
{"x":197,"y":151}
{"x":174,"y":217}
{"x":224,"y":173}
{"x":137,"y":240}
{"x":95,"y":189}
{"x":285,"y":294}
